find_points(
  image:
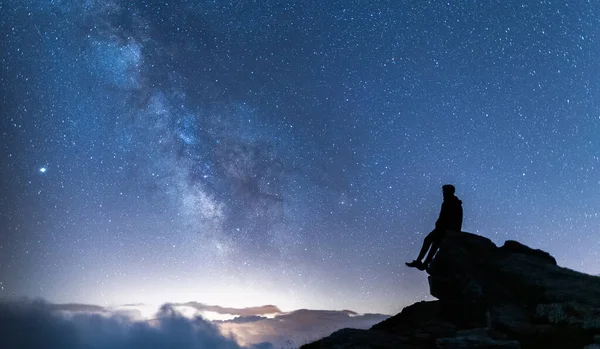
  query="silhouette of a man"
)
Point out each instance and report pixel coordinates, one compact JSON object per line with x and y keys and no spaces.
{"x":451,"y":217}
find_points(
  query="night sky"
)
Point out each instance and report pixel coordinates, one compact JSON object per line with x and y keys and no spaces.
{"x":290,"y":153}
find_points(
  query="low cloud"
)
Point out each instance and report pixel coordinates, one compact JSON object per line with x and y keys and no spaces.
{"x":293,"y":329}
{"x":36,"y":324}
{"x":249,"y":311}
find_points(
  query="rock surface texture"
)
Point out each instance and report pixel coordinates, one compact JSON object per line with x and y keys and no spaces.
{"x":508,"y":297}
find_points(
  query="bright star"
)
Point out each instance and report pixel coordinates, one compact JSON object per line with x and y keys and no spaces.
{"x":43,"y":170}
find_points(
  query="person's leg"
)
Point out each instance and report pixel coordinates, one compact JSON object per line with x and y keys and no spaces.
{"x":434,"y":247}
{"x":427,"y":242}
{"x":429,"y":239}
{"x":437,"y":237}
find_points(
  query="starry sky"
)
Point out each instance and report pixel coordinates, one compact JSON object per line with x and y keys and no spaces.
{"x":290,"y":153}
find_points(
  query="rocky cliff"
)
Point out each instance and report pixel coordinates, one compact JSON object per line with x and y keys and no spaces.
{"x":489,"y":297}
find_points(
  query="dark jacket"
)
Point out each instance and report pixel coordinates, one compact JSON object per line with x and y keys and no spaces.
{"x":451,"y":214}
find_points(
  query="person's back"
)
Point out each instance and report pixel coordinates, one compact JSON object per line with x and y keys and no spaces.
{"x":451,"y":214}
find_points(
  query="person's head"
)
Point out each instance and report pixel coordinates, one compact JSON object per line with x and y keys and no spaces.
{"x":448,"y":190}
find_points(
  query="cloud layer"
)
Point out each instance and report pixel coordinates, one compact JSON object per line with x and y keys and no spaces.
{"x":32,"y":325}
{"x":37,"y":324}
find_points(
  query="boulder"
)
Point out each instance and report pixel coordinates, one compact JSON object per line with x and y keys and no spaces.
{"x":505,"y":297}
{"x":471,"y":267}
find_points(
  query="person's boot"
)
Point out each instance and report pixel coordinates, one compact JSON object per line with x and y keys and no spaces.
{"x":422,"y":266}
{"x":415,"y":264}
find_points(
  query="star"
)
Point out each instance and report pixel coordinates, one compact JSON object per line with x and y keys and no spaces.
{"x":323,"y":140}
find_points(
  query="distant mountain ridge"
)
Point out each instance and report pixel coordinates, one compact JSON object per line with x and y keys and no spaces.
{"x":290,"y":330}
{"x":249,"y":311}
{"x":74,"y":307}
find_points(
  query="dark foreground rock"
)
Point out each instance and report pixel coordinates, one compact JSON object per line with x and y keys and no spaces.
{"x":508,"y":297}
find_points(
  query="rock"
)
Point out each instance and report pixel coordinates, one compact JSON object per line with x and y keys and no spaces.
{"x":351,"y":338}
{"x":511,"y":319}
{"x":512,"y":246}
{"x":422,"y":316}
{"x":505,"y":297}
{"x":476,"y":339}
{"x":570,"y":313}
{"x":471,"y":267}
{"x":423,"y":322}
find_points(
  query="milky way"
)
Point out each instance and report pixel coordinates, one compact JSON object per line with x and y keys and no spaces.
{"x":287,"y":153}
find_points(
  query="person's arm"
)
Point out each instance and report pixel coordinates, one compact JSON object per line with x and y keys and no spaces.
{"x":460,"y":216}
